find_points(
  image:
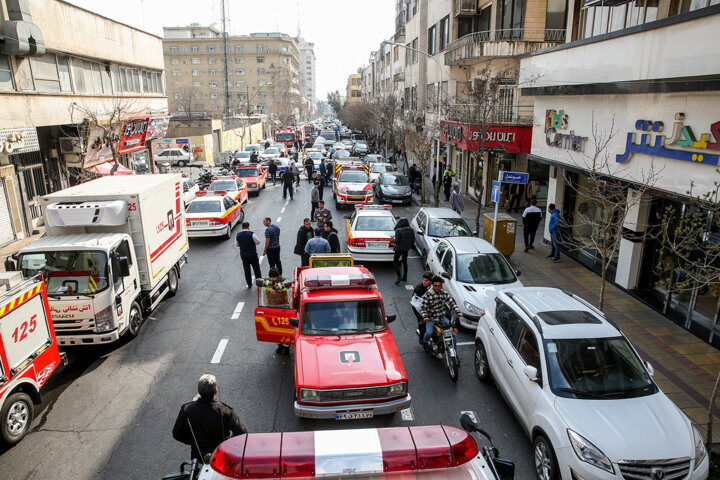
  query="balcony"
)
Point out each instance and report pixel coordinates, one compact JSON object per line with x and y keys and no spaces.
{"x":465,"y":7}
{"x":399,"y":36}
{"x":500,"y":43}
{"x":495,"y":115}
{"x":398,"y":71}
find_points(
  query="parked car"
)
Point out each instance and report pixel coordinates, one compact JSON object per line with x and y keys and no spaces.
{"x":244,"y":157}
{"x":271,"y":152}
{"x":190,"y":188}
{"x":475,"y":272}
{"x":175,"y":156}
{"x":432,"y":224}
{"x":255,"y":147}
{"x":393,"y":187}
{"x":360,"y":149}
{"x":377,"y":168}
{"x":370,"y":231}
{"x":581,"y":392}
{"x":342,"y":154}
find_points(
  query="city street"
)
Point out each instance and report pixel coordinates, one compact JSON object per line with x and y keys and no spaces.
{"x":110,"y":412}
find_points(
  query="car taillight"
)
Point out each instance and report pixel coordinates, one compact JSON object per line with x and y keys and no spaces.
{"x":215,"y":222}
{"x":357,"y":242}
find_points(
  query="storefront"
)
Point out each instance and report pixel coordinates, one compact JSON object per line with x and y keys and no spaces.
{"x":498,"y":147}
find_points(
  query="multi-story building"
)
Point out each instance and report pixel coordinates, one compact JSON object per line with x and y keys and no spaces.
{"x":78,"y":66}
{"x":353,"y":91}
{"x":197,"y":81}
{"x":645,"y":77}
{"x":307,"y":72}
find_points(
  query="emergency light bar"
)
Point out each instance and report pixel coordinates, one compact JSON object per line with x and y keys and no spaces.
{"x":348,"y":280}
{"x":224,"y":177}
{"x":373,"y":207}
{"x":343,"y":452}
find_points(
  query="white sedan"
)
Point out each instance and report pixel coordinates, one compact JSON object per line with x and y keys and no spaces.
{"x":377,"y":168}
{"x":213,"y":216}
{"x":370,"y":232}
{"x":475,"y":272}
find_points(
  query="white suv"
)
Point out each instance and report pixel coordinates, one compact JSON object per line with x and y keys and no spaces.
{"x":581,"y":392}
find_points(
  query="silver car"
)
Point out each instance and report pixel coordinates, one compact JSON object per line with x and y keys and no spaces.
{"x":432,"y":224}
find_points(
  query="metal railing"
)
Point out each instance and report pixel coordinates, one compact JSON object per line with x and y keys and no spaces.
{"x":399,"y":21}
{"x":497,"y":114}
{"x":523,"y":34}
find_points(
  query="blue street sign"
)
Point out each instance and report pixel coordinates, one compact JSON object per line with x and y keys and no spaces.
{"x":495,"y":195}
{"x":515,"y":177}
{"x":182,"y":140}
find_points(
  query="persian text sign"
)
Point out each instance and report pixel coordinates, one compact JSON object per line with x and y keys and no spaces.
{"x":513,"y":138}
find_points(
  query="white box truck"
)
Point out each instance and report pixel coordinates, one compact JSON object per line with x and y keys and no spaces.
{"x":112,"y":251}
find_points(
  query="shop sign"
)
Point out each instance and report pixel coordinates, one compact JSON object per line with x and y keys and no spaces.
{"x":513,"y":138}
{"x":688,"y":147}
{"x":100,"y":145}
{"x":157,"y":128}
{"x":18,"y":140}
{"x":558,"y":120}
{"x":133,"y":136}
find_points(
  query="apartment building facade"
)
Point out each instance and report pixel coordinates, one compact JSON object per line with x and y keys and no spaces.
{"x":307,"y":72}
{"x":194,"y":62}
{"x":353,"y":90}
{"x":78,"y":64}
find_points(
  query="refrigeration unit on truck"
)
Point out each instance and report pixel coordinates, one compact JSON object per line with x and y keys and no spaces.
{"x":113,"y":250}
{"x":28,"y":355}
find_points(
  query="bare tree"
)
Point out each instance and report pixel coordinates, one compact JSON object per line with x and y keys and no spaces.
{"x":389,"y":121}
{"x":419,"y":140}
{"x":284,"y":99}
{"x":359,"y":116}
{"x":689,"y":257}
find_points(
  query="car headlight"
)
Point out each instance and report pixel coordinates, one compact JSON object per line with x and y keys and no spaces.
{"x":474,"y":309}
{"x":343,"y":191}
{"x":308,"y":394}
{"x":589,"y":453}
{"x":398,"y":388}
{"x":700,"y":451}
{"x":104,"y":319}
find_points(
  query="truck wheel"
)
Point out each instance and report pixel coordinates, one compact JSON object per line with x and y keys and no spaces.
{"x":135,"y":320}
{"x":16,"y":416}
{"x":173,"y":282}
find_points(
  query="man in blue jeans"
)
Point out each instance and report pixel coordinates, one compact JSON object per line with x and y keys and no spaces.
{"x":272,"y":244}
{"x":554,"y":229}
{"x":435,"y":304}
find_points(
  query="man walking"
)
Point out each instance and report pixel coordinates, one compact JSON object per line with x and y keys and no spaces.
{"x":305,"y":233}
{"x":205,"y":423}
{"x":317,"y":245}
{"x":309,"y":167}
{"x":247,"y":242}
{"x":404,"y":239}
{"x":456,"y":200}
{"x":331,"y":235}
{"x":288,"y":178}
{"x":314,"y":198}
{"x":554,"y":229}
{"x":272,"y":244}
{"x":517,"y":193}
{"x":272,"y":170}
{"x":531,"y":218}
{"x":323,"y":176}
{"x":322,"y":215}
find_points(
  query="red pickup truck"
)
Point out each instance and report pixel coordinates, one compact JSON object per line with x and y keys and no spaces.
{"x":347,"y":365}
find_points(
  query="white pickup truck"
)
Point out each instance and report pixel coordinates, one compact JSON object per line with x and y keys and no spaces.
{"x":113,"y":250}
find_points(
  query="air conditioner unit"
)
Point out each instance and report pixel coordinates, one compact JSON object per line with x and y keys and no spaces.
{"x":71,"y":145}
{"x":73,"y":160}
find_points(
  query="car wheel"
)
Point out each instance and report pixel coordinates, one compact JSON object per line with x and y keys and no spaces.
{"x":423,"y":258}
{"x":228,"y":233}
{"x":182,"y":163}
{"x":135,"y":320}
{"x":242,"y":216}
{"x":482,"y":367}
{"x":545,"y":462}
{"x":16,"y":416}
{"x":173,"y":282}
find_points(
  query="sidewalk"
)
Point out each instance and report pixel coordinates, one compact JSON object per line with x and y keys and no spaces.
{"x":685,"y":366}
{"x":15,"y":246}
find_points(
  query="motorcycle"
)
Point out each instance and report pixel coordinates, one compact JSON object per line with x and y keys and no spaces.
{"x":501,"y":468}
{"x":192,"y":473}
{"x":441,"y":344}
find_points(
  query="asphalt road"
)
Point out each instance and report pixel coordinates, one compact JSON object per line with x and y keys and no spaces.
{"x":110,"y":412}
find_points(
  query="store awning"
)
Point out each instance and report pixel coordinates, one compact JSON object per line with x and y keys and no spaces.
{"x":104,"y":169}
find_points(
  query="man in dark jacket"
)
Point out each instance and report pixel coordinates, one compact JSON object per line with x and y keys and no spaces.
{"x":323,"y":176}
{"x":267,"y":145}
{"x":288,"y":178}
{"x":205,"y":423}
{"x":254,"y":157}
{"x":305,"y":233}
{"x":517,"y":193}
{"x":272,"y":170}
{"x":309,"y":167}
{"x":331,"y":235}
{"x":532,"y":216}
{"x":247,"y":241}
{"x":419,"y":291}
{"x":404,"y":239}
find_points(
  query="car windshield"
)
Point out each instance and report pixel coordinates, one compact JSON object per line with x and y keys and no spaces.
{"x":371,"y":223}
{"x":227,"y":185}
{"x":484,"y":268}
{"x":68,"y":272}
{"x":316,"y":156}
{"x":252,"y":148}
{"x":337,"y":318}
{"x":247,"y":172}
{"x":342,"y":153}
{"x":272,"y":150}
{"x":381,"y":168}
{"x":204,"y":207}
{"x":399,"y":180}
{"x":360,"y":145}
{"x":242,"y":155}
{"x":448,"y":227}
{"x":596,"y":368}
{"x":354,"y":177}
{"x":285,"y":137}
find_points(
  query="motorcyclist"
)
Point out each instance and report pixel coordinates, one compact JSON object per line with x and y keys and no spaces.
{"x":418,"y":293}
{"x":435,"y":305}
{"x":413,"y":176}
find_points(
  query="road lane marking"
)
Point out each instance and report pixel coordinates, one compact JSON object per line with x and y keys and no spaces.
{"x":409,"y":287}
{"x":278,"y":220}
{"x":238,"y":309}
{"x":282,"y":210}
{"x":220,"y":350}
{"x":465,"y":343}
{"x":286,"y":202}
{"x":407,"y":414}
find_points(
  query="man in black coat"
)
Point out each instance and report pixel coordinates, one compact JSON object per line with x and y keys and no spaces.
{"x":404,"y":240}
{"x":288,"y":178}
{"x":305,"y":233}
{"x":205,"y":423}
{"x":532,"y":216}
{"x":331,"y":235}
{"x":247,"y":242}
{"x":309,"y":167}
{"x":272,"y":170}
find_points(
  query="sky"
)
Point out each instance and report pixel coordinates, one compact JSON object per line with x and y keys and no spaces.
{"x":344,"y":31}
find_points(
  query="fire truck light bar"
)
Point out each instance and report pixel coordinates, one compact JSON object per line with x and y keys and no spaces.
{"x":343,"y":452}
{"x":224,"y":177}
{"x":351,"y":280}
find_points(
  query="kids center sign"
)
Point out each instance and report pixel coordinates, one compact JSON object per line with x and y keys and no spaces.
{"x":513,"y":138}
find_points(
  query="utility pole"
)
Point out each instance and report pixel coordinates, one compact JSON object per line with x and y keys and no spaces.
{"x":226,"y":72}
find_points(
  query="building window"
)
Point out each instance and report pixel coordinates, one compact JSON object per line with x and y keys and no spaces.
{"x":212,"y":61}
{"x":213,"y":84}
{"x":261,"y":83}
{"x":240,"y":83}
{"x":285,"y":48}
{"x":239,"y":72}
{"x":194,"y":49}
{"x":238,"y":48}
{"x":212,"y":72}
{"x":195,"y":61}
{"x":186,"y":61}
{"x":174,"y":61}
{"x":6,"y":78}
{"x":512,"y":19}
{"x":259,"y":48}
{"x":213,"y":96}
{"x":176,"y":73}
{"x":240,"y":95}
{"x":414,"y":51}
{"x":51,"y":73}
{"x":261,"y":71}
{"x":285,"y":60}
{"x":432,"y":40}
{"x":211,"y":49}
{"x":444,"y":33}
{"x":178,"y":96}
{"x":173,"y":49}
{"x":262,"y":95}
{"x":196,"y":73}
{"x":260,"y":59}
{"x":239,"y":59}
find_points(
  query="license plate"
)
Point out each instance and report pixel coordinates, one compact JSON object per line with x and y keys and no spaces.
{"x":199,"y":223}
{"x":396,"y":201}
{"x":377,"y":244}
{"x":356,"y":198}
{"x":353,"y":415}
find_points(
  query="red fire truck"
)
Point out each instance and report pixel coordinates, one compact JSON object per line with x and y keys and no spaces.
{"x":286,"y":136}
{"x":28,"y":355}
{"x":347,"y":365}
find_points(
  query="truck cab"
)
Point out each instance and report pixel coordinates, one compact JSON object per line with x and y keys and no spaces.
{"x":347,"y":365}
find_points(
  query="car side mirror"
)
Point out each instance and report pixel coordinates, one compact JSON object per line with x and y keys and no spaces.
{"x":347,"y":217}
{"x":294,"y":322}
{"x":390,"y":318}
{"x":445,"y":275}
{"x":649,"y":368}
{"x":123,"y":266}
{"x":531,"y":372}
{"x":517,"y":273}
